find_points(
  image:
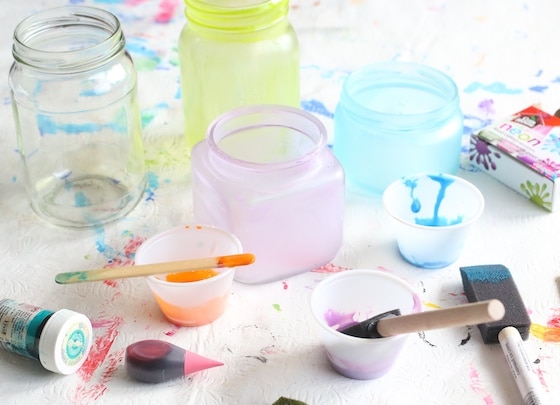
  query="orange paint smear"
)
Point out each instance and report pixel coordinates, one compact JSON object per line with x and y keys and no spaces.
{"x":193,"y":316}
{"x":189,"y":276}
{"x":235,"y":260}
{"x":546,"y":333}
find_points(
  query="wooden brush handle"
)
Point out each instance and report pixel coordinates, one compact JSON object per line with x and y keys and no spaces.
{"x":468,"y":314}
{"x":112,"y":273}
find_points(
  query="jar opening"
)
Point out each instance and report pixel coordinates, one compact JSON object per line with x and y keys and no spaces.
{"x":403,"y":94}
{"x":67,"y":38}
{"x":266,"y":135}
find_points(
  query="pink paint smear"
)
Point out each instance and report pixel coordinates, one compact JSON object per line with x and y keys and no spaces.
{"x":476,"y":386}
{"x":100,"y":366}
{"x":166,"y":11}
{"x":330,"y":268}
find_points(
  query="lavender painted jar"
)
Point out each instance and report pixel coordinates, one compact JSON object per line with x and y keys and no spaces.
{"x":265,"y":174}
{"x":394,"y":119}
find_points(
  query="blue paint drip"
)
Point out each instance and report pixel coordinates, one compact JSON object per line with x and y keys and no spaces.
{"x":416,"y":205}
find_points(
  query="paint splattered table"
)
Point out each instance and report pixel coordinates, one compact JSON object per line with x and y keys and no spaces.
{"x":501,"y":56}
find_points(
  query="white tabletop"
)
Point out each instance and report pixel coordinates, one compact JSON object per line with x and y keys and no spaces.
{"x":503,"y":57}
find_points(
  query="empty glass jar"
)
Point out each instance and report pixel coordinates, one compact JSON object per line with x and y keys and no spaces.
{"x":265,"y":174}
{"x":73,"y":89}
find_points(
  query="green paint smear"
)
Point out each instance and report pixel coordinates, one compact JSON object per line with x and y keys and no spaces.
{"x":147,"y":117}
{"x":277,"y":307}
{"x":146,"y":64}
{"x":75,"y":276}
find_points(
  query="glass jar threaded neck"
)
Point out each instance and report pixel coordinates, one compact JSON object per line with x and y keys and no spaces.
{"x":238,"y":16}
{"x":67,"y":39}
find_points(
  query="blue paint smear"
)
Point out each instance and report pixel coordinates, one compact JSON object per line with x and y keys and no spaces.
{"x":152,"y":184}
{"x":473,"y":123}
{"x":552,"y":144}
{"x":80,"y":200}
{"x":102,"y":247}
{"x":538,"y":89}
{"x":496,"y":87}
{"x":137,"y":45}
{"x":48,"y":126}
{"x":315,"y":106}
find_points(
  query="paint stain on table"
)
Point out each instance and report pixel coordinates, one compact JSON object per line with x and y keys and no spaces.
{"x":100,"y":365}
{"x":549,"y":332}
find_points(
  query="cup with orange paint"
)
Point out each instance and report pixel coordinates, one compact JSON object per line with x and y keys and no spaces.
{"x":192,"y":298}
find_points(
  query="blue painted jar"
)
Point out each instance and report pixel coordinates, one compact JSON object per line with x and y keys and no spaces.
{"x":394,"y":119}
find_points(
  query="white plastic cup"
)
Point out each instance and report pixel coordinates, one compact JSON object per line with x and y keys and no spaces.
{"x":193,"y":303}
{"x":433,"y":215}
{"x":354,"y":296}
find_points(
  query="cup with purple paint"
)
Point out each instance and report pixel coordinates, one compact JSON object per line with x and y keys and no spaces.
{"x":433,"y":214}
{"x":352,"y":296}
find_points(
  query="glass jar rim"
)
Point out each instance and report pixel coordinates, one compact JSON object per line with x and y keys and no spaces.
{"x":394,"y":74}
{"x":240,"y":19}
{"x":38,"y":24}
{"x":276,"y":111}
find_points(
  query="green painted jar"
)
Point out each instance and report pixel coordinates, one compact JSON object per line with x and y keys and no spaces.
{"x":242,"y":53}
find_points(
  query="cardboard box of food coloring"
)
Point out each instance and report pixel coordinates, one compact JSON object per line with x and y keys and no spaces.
{"x":523,"y":152}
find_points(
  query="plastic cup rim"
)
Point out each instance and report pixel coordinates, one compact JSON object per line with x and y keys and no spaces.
{"x":223,"y":272}
{"x":351,"y":273}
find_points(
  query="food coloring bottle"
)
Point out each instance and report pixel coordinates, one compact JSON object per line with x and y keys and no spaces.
{"x":235,"y":54}
{"x":60,"y":340}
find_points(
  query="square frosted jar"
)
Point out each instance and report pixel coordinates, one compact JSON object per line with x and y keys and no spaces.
{"x":265,"y":174}
{"x":394,"y":119}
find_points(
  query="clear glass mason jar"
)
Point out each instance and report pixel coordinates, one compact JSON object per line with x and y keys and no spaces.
{"x":394,"y":119}
{"x":73,"y":89}
{"x":242,"y":53}
{"x":265,"y":174}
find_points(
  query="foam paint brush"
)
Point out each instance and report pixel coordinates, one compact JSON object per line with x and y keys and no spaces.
{"x":175,"y":268}
{"x":391,"y":323}
{"x":496,"y":282}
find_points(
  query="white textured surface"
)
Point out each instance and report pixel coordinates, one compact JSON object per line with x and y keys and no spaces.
{"x":503,"y":57}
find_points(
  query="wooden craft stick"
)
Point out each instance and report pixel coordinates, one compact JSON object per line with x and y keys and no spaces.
{"x":156,"y":268}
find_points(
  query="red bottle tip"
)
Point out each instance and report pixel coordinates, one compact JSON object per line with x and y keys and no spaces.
{"x":195,"y":362}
